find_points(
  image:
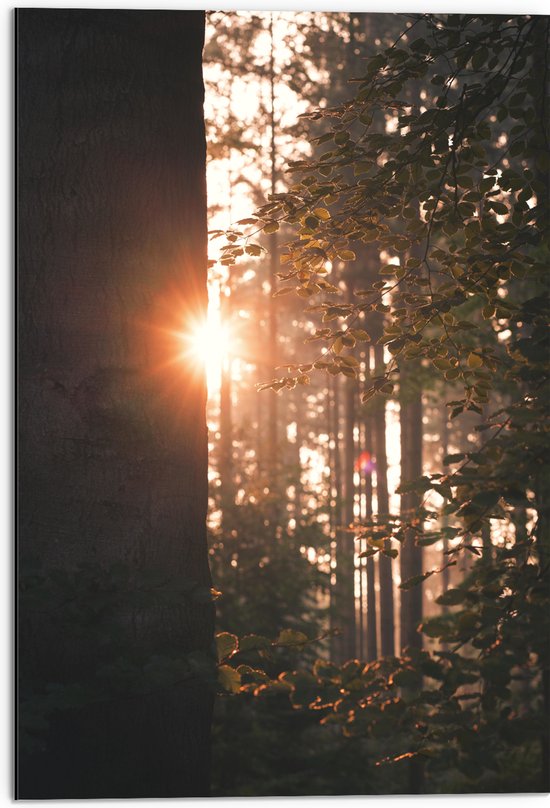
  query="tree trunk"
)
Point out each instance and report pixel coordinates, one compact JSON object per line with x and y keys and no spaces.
{"x":371,"y":635}
{"x":112,"y":431}
{"x":411,"y":468}
{"x":336,"y":512}
{"x":225,"y":467}
{"x":273,"y":358}
{"x":387,"y":632}
{"x":346,"y":545}
{"x":345,"y":556}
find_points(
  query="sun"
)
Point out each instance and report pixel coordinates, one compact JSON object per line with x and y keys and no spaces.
{"x":208,"y":344}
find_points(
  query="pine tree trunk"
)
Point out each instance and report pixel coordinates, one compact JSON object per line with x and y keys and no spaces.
{"x":336,"y":508}
{"x":372,"y":642}
{"x":112,"y":432}
{"x":273,"y":358}
{"x":411,"y":468}
{"x":346,"y":544}
{"x":225,"y":468}
{"x":387,"y":632}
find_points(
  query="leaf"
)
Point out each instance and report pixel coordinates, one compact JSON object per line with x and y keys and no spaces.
{"x":499,"y":207}
{"x":285,"y":290}
{"x":271,"y":227}
{"x":254,"y":642}
{"x":366,"y":396}
{"x":406,"y":677}
{"x":486,"y":499}
{"x":479,"y":58}
{"x":368,"y":553}
{"x":322,"y":213}
{"x":229,"y":678}
{"x":360,"y":334}
{"x":226,"y":645}
{"x":346,"y":255}
{"x":453,"y":458}
{"x":474,"y":361}
{"x":415,"y":580}
{"x":289,"y":636}
{"x":351,"y":361}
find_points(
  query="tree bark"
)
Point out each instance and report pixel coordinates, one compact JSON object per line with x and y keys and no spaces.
{"x":335,"y":494}
{"x":371,"y":617}
{"x":112,"y":428}
{"x":273,"y":357}
{"x":411,"y":468}
{"x":345,"y":555}
{"x":387,"y":631}
{"x":225,"y":467}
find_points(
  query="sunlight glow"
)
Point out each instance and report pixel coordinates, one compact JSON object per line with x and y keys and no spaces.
{"x":209,"y":344}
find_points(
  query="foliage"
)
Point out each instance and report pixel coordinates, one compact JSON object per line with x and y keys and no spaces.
{"x":261,"y":568}
{"x":453,"y":193}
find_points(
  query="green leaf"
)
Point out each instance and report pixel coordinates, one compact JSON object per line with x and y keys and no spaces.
{"x":229,"y":678}
{"x":360,"y":334}
{"x":346,"y":255}
{"x":454,"y":458}
{"x":226,"y":645}
{"x":486,"y":499}
{"x":285,"y":290}
{"x":289,"y":636}
{"x":474,"y":360}
{"x":254,"y":642}
{"x":415,"y":580}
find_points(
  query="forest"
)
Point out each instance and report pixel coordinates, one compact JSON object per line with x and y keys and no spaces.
{"x":283,"y":499}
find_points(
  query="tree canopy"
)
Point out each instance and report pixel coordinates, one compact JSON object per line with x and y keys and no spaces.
{"x":438,"y":167}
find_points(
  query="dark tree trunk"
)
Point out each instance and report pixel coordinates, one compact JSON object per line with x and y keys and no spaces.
{"x":225,"y":468}
{"x":345,"y":556}
{"x":387,"y":631}
{"x":112,"y":431}
{"x":445,"y":433}
{"x":371,"y":634}
{"x":411,"y":468}
{"x":273,"y":357}
{"x":336,"y":509}
{"x":346,"y":545}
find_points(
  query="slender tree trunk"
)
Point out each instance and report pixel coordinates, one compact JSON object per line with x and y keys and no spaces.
{"x":411,"y":468}
{"x":296,"y":465}
{"x":387,"y":634}
{"x":112,"y":428}
{"x":412,"y":431}
{"x":445,"y":430}
{"x":227,"y":487}
{"x":337,"y":514}
{"x":273,"y":359}
{"x":372,"y":643}
{"x":346,"y":544}
{"x":345,"y":571}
